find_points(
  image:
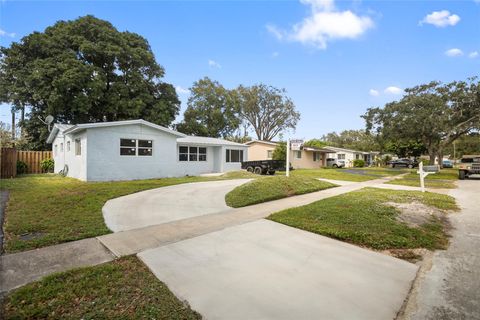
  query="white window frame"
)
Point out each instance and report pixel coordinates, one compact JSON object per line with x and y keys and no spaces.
{"x":188,"y":153}
{"x":269,"y":154}
{"x":68,"y":146}
{"x":78,"y":147}
{"x":298,"y":154}
{"x":341,"y":156}
{"x":229,"y":158}
{"x":136,"y":147}
{"x":317,"y":156}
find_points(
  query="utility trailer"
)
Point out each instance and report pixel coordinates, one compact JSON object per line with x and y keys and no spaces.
{"x":263,"y":166}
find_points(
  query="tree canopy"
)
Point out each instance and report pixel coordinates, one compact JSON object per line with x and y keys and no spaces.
{"x":352,"y":139}
{"x":84,"y":70}
{"x":212,"y":111}
{"x":434,"y":114}
{"x":267,"y":110}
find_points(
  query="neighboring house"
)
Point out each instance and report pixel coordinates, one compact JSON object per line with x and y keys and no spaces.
{"x":306,"y":157}
{"x":138,"y":149}
{"x":260,"y":150}
{"x":349,"y":155}
{"x":309,"y":158}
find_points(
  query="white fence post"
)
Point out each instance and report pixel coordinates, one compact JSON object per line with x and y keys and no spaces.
{"x":422,"y":176}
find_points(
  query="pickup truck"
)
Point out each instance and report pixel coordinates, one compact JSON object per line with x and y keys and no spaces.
{"x":263,"y":166}
{"x":469,"y":165}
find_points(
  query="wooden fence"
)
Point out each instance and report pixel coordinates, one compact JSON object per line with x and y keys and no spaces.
{"x":32,"y":159}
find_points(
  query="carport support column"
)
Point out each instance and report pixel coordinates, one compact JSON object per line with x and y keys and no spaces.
{"x":288,"y":158}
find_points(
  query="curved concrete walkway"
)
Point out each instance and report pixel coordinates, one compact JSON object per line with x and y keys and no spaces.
{"x":167,"y":204}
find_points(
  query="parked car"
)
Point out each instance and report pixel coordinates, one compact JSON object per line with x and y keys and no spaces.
{"x":469,"y":165}
{"x":447,"y":163}
{"x":335,"y":163}
{"x":407,"y":163}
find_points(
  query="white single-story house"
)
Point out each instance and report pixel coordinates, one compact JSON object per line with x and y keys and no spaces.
{"x":138,"y":149}
{"x":349,"y":155}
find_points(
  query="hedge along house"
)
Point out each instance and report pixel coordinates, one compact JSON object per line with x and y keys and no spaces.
{"x":138,"y":149}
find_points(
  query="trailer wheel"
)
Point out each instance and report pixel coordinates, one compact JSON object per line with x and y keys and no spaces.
{"x":335,"y":165}
{"x":250,"y":169}
{"x":258,"y":170}
{"x":461,"y":175}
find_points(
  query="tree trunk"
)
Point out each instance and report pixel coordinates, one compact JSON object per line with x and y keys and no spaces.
{"x":432,"y":155}
{"x":13,"y":124}
{"x":22,"y":119}
{"x":440,"y":158}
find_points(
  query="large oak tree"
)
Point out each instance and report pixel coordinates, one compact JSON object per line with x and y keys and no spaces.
{"x":435,"y":114}
{"x":267,"y":110}
{"x":213,"y":110}
{"x":84,"y":70}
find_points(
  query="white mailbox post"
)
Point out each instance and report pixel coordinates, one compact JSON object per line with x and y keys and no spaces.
{"x":424,"y":171}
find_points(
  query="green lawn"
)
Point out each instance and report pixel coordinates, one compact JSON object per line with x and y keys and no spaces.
{"x":272,"y":188}
{"x":122,"y":289}
{"x":363,"y":218}
{"x":349,"y":174}
{"x":49,"y":209}
{"x":445,"y":179}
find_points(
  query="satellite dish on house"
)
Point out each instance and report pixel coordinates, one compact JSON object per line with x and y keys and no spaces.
{"x":48,"y":121}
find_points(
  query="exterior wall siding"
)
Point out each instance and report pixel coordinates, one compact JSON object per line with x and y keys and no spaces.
{"x":77,"y":167}
{"x":306,"y":162}
{"x":259,"y":151}
{"x":101,"y":160}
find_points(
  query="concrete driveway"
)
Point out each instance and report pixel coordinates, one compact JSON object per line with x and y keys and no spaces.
{"x":167,"y":204}
{"x":266,"y":270}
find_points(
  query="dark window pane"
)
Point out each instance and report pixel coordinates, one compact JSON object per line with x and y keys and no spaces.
{"x":144,"y":151}
{"x":127,"y":151}
{"x":227,"y":155}
{"x":193,"y":157}
{"x":241,"y":156}
{"x":128,"y":143}
{"x":183,"y":157}
{"x":234,"y":156}
{"x":193,"y":149}
{"x":202,"y":157}
{"x":202,"y":150}
{"x":145,"y":143}
{"x":183,"y":149}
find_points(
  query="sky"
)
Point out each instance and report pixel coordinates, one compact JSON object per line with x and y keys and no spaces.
{"x":334,"y":58}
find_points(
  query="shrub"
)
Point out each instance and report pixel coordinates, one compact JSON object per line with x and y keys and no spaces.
{"x":21,"y":167}
{"x":47,"y":165}
{"x":358,"y":163}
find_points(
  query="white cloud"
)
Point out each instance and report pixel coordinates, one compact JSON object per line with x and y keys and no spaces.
{"x":214,"y":64}
{"x":473,"y":54}
{"x":277,"y":33}
{"x":325,"y":23}
{"x":181,"y":90}
{"x":441,"y":19}
{"x":373,"y":92}
{"x":4,"y":33}
{"x":454,"y":52}
{"x":275,"y":54}
{"x":393,"y":90}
